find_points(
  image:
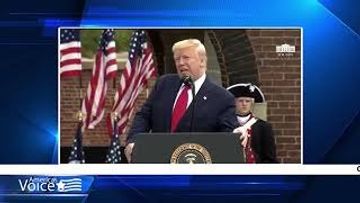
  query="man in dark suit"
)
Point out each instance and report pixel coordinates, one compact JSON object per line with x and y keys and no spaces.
{"x":257,"y":138}
{"x":187,"y":101}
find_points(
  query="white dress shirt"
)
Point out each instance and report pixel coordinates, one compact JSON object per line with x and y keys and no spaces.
{"x":197,"y":83}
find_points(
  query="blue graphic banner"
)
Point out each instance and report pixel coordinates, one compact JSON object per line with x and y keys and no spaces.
{"x":45,"y":187}
{"x":330,"y":65}
{"x":177,"y":188}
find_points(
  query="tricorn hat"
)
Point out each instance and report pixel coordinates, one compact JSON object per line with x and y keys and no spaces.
{"x":247,"y":90}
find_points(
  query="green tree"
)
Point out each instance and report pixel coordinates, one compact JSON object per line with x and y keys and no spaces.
{"x":90,"y":41}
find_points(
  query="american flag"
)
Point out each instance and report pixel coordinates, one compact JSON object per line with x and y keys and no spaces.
{"x":114,"y":153}
{"x":70,"y":52}
{"x":77,"y":153}
{"x":105,"y":68}
{"x":139,"y":68}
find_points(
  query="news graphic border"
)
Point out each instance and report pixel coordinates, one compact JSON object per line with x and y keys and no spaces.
{"x":224,"y":169}
{"x":180,"y":169}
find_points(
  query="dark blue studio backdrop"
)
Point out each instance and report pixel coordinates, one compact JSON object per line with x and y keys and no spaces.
{"x":331,"y":73}
{"x":279,"y":189}
{"x":331,"y":79}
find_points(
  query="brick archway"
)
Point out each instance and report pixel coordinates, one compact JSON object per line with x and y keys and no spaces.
{"x":235,"y":55}
{"x":234,"y":52}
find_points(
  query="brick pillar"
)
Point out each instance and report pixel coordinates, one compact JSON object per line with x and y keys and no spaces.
{"x":279,"y":79}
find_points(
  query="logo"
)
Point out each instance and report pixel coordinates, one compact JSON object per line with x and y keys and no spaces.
{"x":50,"y":184}
{"x":69,"y":185}
{"x":285,"y":50}
{"x":190,"y":153}
{"x":252,"y":88}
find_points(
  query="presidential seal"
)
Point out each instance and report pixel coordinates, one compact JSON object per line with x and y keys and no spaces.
{"x":190,"y":153}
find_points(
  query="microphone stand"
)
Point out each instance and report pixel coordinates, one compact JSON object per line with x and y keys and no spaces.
{"x":193,"y":109}
{"x":187,"y":80}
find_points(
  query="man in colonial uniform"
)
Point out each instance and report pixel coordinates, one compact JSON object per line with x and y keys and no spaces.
{"x":256,"y":135}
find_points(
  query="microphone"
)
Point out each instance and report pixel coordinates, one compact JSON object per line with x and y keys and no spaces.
{"x":187,"y":80}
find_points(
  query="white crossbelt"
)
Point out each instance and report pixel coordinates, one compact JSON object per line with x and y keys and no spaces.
{"x":243,"y":131}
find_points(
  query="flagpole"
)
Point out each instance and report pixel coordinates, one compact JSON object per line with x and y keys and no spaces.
{"x":80,"y":90}
{"x":77,"y":154}
{"x":80,"y":114}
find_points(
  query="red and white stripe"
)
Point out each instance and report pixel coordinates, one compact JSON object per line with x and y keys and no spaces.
{"x":133,"y":79}
{"x":105,"y":68}
{"x":70,"y":59}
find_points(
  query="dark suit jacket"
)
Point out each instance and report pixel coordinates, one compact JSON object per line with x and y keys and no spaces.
{"x":263,"y":143}
{"x":214,"y":109}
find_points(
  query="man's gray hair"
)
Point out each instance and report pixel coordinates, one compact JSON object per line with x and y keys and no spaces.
{"x":200,"y":48}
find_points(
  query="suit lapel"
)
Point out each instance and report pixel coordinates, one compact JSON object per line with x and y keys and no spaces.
{"x":198,"y":97}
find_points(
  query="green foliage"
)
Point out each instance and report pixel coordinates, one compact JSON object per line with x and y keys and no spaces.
{"x":90,"y":41}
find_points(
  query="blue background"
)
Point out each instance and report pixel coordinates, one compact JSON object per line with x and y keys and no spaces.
{"x":278,"y":189}
{"x":331,"y":79}
{"x":331,"y":42}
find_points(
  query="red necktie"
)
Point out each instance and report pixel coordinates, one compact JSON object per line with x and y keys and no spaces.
{"x":180,"y":108}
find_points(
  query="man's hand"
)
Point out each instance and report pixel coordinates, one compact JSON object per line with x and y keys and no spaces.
{"x":128,"y":151}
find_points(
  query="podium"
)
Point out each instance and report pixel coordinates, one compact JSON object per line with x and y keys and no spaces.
{"x":187,"y":148}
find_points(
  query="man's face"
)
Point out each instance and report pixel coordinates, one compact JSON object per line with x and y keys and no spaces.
{"x":189,"y":63}
{"x":243,"y":105}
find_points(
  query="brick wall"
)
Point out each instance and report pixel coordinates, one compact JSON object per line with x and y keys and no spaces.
{"x":69,"y":106}
{"x":249,"y":56}
{"x":280,"y":80}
